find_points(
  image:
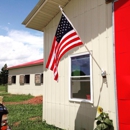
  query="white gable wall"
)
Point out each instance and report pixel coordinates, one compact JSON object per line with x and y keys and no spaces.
{"x":30,"y":88}
{"x":93,"y":21}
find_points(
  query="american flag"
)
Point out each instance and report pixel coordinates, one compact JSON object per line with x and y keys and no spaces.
{"x":65,"y":39}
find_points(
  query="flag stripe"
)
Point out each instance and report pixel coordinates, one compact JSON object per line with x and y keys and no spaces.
{"x":65,"y":39}
{"x":58,"y":48}
{"x":68,"y":47}
{"x":69,"y":42}
{"x":51,"y":53}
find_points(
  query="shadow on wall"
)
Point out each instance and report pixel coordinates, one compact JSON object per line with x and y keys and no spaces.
{"x":85,"y":117}
{"x":86,"y":114}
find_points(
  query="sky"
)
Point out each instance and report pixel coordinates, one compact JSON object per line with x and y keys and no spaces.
{"x":18,"y":44}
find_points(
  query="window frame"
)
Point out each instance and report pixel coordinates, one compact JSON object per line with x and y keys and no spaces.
{"x":25,"y":79}
{"x":41,"y":78}
{"x":91,"y":86}
{"x":13,"y":79}
{"x":9,"y":79}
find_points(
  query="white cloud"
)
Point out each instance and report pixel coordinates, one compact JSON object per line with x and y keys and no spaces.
{"x":4,"y":28}
{"x":20,"y":47}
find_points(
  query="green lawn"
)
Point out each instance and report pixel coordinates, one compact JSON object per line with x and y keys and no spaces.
{"x":24,"y":116}
{"x":27,"y":117}
{"x":2,"y":88}
{"x":7,"y":97}
{"x":15,"y":98}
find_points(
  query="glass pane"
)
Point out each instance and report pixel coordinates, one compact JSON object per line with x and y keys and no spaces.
{"x":80,"y":65}
{"x":80,"y":89}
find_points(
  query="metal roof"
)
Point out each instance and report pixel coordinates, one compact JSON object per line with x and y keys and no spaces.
{"x":32,"y":63}
{"x":43,"y":13}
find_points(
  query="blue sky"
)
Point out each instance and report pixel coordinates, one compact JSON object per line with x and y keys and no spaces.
{"x":18,"y":44}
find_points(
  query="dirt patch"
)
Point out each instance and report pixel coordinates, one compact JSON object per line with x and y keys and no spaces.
{"x":16,"y":123}
{"x":34,"y":100}
{"x":35,"y":118}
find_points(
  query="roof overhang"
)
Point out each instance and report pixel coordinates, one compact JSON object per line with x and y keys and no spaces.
{"x":43,"y":13}
{"x":28,"y":64}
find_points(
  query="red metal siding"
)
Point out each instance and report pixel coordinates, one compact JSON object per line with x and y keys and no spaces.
{"x":122,"y":51}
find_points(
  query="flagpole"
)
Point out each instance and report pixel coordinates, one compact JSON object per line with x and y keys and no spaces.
{"x":103,"y":73}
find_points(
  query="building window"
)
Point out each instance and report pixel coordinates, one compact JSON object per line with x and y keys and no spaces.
{"x":27,"y":79}
{"x":9,"y":80}
{"x":13,"y":79}
{"x":21,"y":79}
{"x":80,"y":78}
{"x":42,"y":78}
{"x":38,"y":79}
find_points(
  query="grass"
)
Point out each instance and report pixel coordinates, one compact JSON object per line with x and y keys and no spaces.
{"x":27,"y":117}
{"x":15,"y":98}
{"x":24,"y":116}
{"x":2,"y":88}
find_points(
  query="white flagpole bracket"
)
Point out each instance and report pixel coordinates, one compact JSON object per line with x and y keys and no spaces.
{"x":103,"y":73}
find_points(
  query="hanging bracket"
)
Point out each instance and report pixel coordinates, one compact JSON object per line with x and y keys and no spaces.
{"x":103,"y":74}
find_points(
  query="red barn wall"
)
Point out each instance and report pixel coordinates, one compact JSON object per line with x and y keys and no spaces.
{"x":122,"y":51}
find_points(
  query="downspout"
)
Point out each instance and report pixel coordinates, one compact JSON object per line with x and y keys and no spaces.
{"x":114,"y":63}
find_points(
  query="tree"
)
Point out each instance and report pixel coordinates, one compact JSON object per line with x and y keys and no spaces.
{"x":4,"y":75}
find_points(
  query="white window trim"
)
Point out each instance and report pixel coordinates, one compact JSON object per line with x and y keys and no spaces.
{"x":91,"y":92}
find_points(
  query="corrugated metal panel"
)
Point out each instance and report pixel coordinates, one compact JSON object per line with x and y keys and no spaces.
{"x":93,"y":21}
